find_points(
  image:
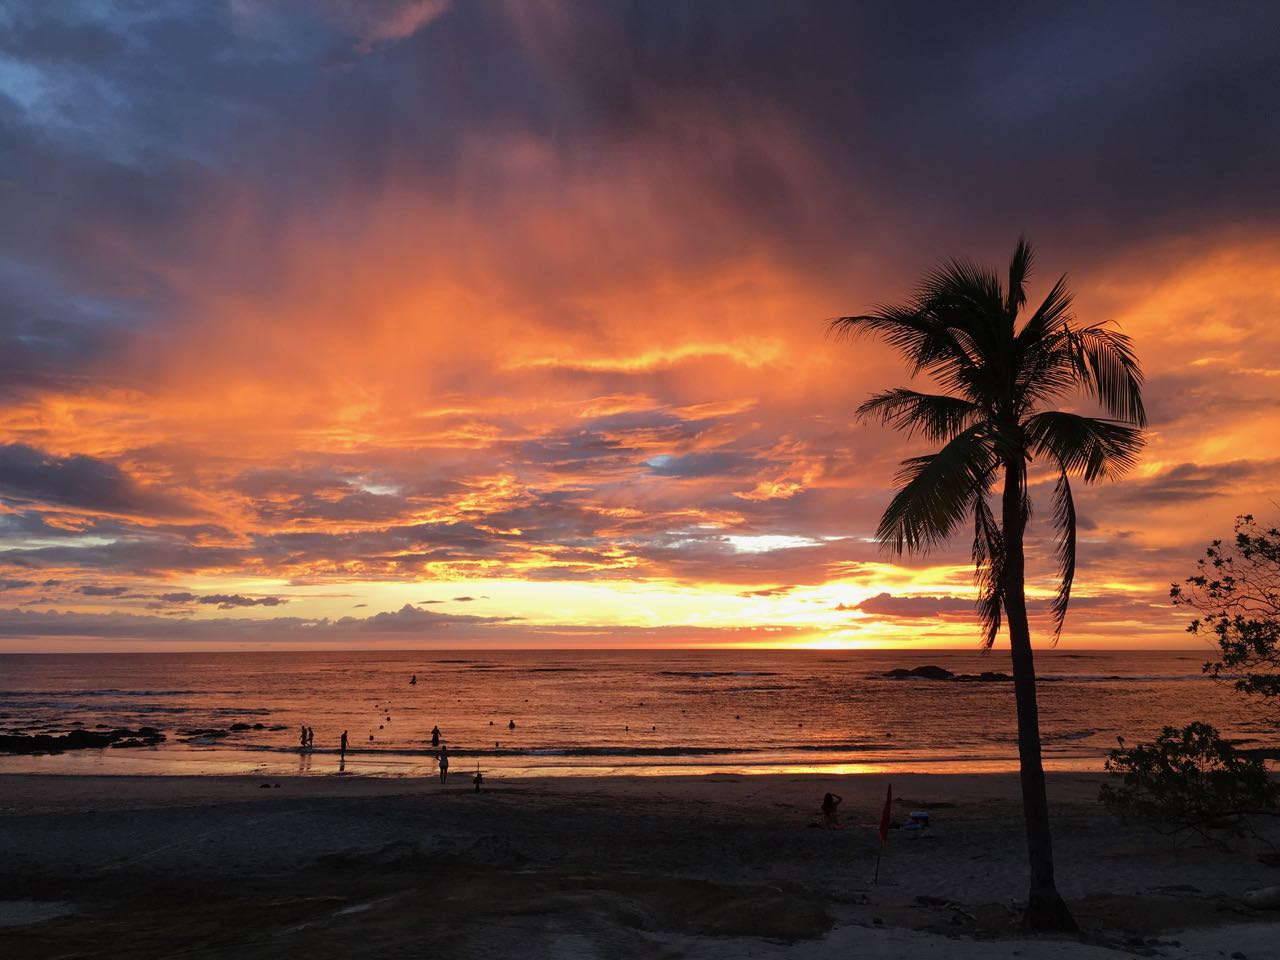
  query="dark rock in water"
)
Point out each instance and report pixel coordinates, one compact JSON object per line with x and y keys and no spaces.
{"x":277,"y":726}
{"x":929,"y":672}
{"x":241,"y":726}
{"x":80,"y":740}
{"x":932,"y":672}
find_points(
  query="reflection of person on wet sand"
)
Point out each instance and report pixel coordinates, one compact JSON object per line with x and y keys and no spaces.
{"x":444,"y":764}
{"x":830,"y":810}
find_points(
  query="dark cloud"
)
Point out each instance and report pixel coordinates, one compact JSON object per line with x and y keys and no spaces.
{"x":92,"y":590}
{"x":915,"y":608}
{"x":1190,"y":482}
{"x":228,"y":601}
{"x":16,"y":584}
{"x":29,"y":475}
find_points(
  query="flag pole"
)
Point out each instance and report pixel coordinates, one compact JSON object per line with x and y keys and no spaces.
{"x":884,"y":830}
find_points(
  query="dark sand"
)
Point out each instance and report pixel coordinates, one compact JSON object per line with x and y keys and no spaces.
{"x":723,"y":866}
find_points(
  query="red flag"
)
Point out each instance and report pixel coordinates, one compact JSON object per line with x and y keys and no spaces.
{"x":884,"y":815}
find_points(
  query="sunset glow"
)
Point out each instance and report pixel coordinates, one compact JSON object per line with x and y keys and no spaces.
{"x":443,"y":328}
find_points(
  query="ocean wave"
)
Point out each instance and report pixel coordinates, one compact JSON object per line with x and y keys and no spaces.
{"x":77,"y":694}
{"x":715,"y":673}
{"x":561,"y":751}
{"x":1126,"y":677}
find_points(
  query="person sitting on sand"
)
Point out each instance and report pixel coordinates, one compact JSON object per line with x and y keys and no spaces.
{"x":830,"y":810}
{"x":444,"y":764}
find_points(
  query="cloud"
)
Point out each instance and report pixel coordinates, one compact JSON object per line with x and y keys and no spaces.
{"x":580,"y":338}
{"x":30,"y":475}
{"x":228,"y":601}
{"x":914,"y":608}
{"x":92,"y":590}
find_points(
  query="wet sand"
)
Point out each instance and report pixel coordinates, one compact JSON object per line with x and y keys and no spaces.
{"x":718,"y":866}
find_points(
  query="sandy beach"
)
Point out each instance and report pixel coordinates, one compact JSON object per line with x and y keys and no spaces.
{"x":723,"y":866}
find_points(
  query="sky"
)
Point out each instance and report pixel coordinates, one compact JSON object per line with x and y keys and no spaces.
{"x":502,"y":324}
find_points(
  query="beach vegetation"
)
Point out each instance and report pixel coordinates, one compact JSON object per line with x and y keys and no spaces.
{"x":1235,"y":595}
{"x":1189,"y":779}
{"x":1000,"y":369}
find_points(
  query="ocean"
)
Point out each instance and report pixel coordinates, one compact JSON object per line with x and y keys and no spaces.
{"x":599,"y":712}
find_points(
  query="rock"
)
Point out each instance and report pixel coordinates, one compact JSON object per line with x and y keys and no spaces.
{"x":1266,"y":898}
{"x":240,"y":726}
{"x":79,"y":740}
{"x":929,"y":672}
{"x":203,"y":733}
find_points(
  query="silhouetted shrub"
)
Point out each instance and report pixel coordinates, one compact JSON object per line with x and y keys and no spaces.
{"x":1189,"y":780}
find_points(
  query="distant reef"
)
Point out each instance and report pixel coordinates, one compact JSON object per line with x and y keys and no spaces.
{"x":80,"y":740}
{"x":932,"y":672}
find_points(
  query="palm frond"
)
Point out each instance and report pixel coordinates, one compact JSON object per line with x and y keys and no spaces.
{"x":934,"y":416}
{"x":1019,"y":271}
{"x":912,"y":331}
{"x":1086,"y":446}
{"x":1109,"y":371}
{"x":988,"y":568}
{"x":937,"y":491}
{"x":1064,"y":522}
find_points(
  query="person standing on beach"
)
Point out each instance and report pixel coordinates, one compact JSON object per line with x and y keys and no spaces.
{"x":444,"y":764}
{"x":342,"y":746}
{"x":435,"y":736}
{"x":830,"y":810}
{"x":302,"y":737}
{"x":310,"y":737}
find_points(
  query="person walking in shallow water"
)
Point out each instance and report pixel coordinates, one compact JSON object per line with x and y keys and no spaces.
{"x":444,"y":764}
{"x":435,"y":736}
{"x":302,"y":737}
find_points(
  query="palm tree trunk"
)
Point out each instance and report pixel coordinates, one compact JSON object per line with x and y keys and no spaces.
{"x":1046,"y":910}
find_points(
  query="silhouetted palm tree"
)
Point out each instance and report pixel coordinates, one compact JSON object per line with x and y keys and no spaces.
{"x":999,"y":374}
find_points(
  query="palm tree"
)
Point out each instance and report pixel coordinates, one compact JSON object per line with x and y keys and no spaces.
{"x":1001,"y":374}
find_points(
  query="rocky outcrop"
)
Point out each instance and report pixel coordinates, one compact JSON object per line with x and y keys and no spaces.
{"x":929,"y":672}
{"x":80,"y":740}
